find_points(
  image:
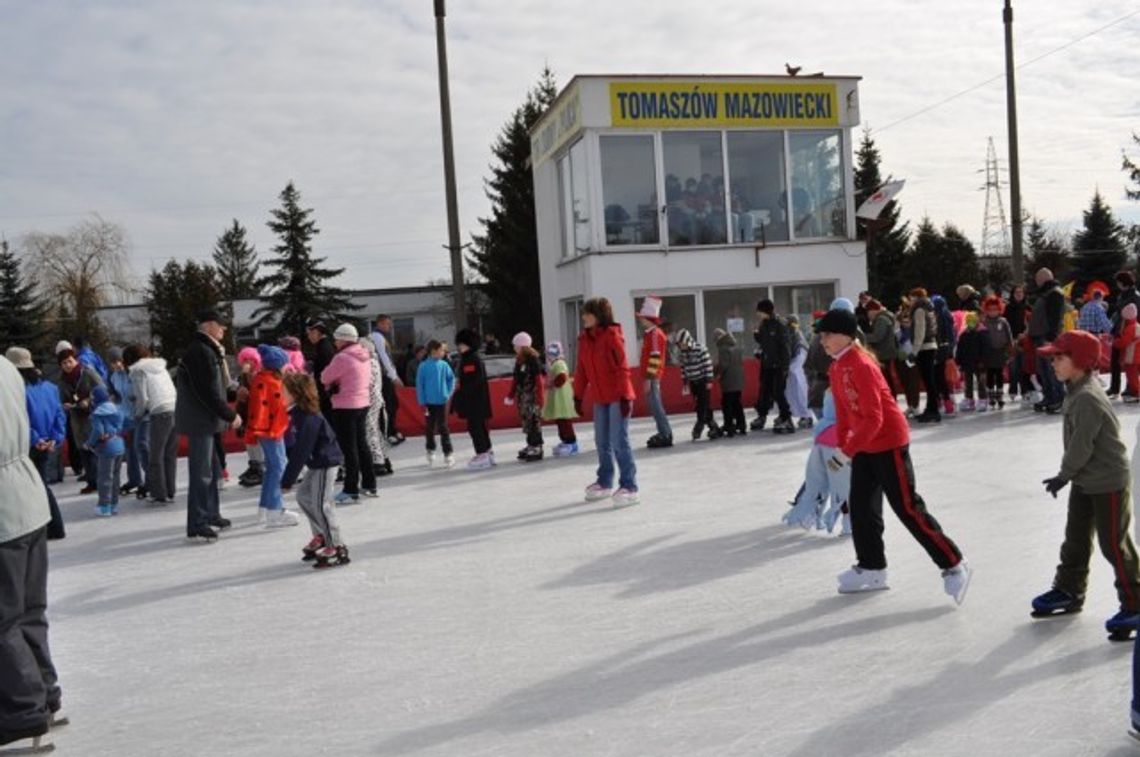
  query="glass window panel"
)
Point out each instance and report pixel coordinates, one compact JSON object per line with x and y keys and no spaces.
{"x":694,"y":187}
{"x":756,"y":177}
{"x":801,"y":300}
{"x":580,"y":186}
{"x":571,"y":327}
{"x":565,"y":207}
{"x":819,"y":208}
{"x":678,"y":309}
{"x":629,"y":190}
{"x":733,"y":310}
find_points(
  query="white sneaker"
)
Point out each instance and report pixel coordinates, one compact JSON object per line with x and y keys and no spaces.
{"x":431,"y":459}
{"x":956,"y":580}
{"x":281,"y":518}
{"x":449,"y":461}
{"x":846,"y":525}
{"x":855,"y":580}
{"x":596,"y":492}
{"x":480,"y":462}
{"x":624,"y":497}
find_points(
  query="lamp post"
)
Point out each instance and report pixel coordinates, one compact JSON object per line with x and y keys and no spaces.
{"x":453,"y":244}
{"x":1014,"y":163}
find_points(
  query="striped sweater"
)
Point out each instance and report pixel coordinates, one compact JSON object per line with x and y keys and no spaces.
{"x":696,"y":363}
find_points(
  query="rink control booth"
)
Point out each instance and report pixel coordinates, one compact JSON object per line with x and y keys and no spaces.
{"x":711,"y":192}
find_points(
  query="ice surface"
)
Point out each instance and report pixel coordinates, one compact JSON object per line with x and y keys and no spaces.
{"x":496,"y":614}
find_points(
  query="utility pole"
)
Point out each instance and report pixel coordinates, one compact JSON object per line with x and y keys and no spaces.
{"x":453,"y":244}
{"x":1014,"y":162}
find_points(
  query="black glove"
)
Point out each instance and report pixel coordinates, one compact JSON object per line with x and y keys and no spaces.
{"x":626,"y":409}
{"x":578,"y":406}
{"x":1055,"y":484}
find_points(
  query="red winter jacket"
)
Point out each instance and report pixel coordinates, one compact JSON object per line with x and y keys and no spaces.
{"x":868,"y":417}
{"x":653,"y":352}
{"x":601,"y":362}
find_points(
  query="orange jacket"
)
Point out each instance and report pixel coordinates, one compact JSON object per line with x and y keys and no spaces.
{"x":268,"y":417}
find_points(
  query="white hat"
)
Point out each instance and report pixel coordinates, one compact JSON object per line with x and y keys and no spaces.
{"x":63,"y":345}
{"x":19,"y":357}
{"x":346,"y":332}
{"x":650,"y":308}
{"x":522,"y":339}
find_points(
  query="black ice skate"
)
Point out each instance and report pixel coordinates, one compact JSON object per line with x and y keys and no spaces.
{"x":32,"y":740}
{"x":1121,"y":625}
{"x":331,"y":557}
{"x":203,"y":534}
{"x":1056,"y":602}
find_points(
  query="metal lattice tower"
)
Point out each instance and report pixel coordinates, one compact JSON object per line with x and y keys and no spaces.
{"x":995,"y":230}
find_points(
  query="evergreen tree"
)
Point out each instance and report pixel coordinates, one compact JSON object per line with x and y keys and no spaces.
{"x":21,"y":311}
{"x":173,"y":296}
{"x":1132,"y":168}
{"x":235,"y":261}
{"x":886,"y":253}
{"x":298,"y":287}
{"x":506,"y":254}
{"x":1046,"y":250}
{"x":1099,"y":247}
{"x":940,"y":261}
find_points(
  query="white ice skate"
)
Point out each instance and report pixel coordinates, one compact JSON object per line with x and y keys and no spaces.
{"x":449,"y":461}
{"x":983,"y":406}
{"x":966,"y":406}
{"x":846,"y":525}
{"x":956,"y":580}
{"x":625,"y":497}
{"x":431,"y":459}
{"x":281,"y":518}
{"x":480,"y":462}
{"x":856,"y":580}
{"x":596,"y":492}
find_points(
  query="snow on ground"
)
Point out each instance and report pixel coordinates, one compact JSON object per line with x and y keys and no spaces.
{"x":496,"y":614}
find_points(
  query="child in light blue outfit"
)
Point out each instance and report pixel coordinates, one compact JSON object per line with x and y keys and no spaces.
{"x":106,"y":440}
{"x":823,"y":486}
{"x":435,"y":383}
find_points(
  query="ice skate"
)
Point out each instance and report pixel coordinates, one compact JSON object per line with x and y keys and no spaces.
{"x":430,"y":459}
{"x":344,"y":498}
{"x":930,"y":417}
{"x":34,"y":740}
{"x":449,"y":461}
{"x":370,"y":493}
{"x":533,"y":455}
{"x":967,"y":406}
{"x":281,"y":518}
{"x":1121,"y":625}
{"x":1056,"y":602}
{"x":309,"y":551}
{"x":204,"y":534}
{"x":252,"y":476}
{"x":523,"y":452}
{"x":220,"y":523}
{"x":597,"y":492}
{"x":566,"y":449}
{"x":657,"y":441}
{"x":783,"y":426}
{"x":956,"y":580}
{"x":331,"y":557}
{"x":983,"y":406}
{"x":805,"y":423}
{"x":856,"y":580}
{"x":625,"y":497}
{"x":759,"y":423}
{"x":715,"y":432}
{"x":480,"y":462}
{"x":948,"y":406}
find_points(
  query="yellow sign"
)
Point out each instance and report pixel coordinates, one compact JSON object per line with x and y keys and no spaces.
{"x":682,"y":104}
{"x":563,"y":123}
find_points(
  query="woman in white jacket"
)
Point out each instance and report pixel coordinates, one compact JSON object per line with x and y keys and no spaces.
{"x":154,"y":405}
{"x":27,"y":675}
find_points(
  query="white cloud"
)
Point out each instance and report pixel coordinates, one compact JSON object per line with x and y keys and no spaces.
{"x":174,"y":117}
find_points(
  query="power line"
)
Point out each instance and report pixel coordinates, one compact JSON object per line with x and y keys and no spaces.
{"x":1000,"y":76}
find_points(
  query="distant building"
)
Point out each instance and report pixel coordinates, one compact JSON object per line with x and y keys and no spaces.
{"x":710,"y":191}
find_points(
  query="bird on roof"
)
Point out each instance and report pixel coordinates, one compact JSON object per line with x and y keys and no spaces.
{"x":792,"y":70}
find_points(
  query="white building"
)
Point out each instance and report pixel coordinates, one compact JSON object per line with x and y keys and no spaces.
{"x":679,"y":186}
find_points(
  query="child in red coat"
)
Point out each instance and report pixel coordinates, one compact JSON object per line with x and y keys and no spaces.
{"x":874,"y":439}
{"x":267,"y":424}
{"x":1128,"y":343}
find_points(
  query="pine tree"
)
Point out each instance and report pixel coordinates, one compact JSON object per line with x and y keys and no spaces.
{"x":940,"y":261}
{"x":235,"y":261}
{"x":506,"y":254}
{"x":173,"y":296}
{"x":297,"y":287}
{"x":21,"y":311}
{"x":887,"y":251}
{"x":1046,"y":250}
{"x":1099,"y":247}
{"x":1132,"y":168}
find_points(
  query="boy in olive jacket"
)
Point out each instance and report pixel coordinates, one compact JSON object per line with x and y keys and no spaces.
{"x":1096,"y":463}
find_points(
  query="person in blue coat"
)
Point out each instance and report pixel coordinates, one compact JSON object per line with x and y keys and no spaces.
{"x":47,"y":426}
{"x":106,"y":441}
{"x":435,"y":383}
{"x":123,"y":395}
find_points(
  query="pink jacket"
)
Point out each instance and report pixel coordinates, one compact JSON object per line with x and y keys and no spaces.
{"x":351,"y":376}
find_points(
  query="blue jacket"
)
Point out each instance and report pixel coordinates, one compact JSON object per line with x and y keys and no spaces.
{"x":45,"y":413}
{"x":435,"y":381}
{"x":310,"y":441}
{"x":107,"y":431}
{"x":123,"y":393}
{"x":88,"y":357}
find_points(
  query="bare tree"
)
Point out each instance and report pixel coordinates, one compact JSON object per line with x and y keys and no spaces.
{"x":80,"y":272}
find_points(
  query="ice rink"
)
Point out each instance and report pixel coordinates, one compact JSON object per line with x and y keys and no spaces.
{"x":497,"y":614}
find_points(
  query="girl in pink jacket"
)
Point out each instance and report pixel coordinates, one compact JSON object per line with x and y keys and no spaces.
{"x":348,"y":379}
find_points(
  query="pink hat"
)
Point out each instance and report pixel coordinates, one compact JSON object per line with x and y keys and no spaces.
{"x":1129,"y":312}
{"x":522,"y":339}
{"x":250,"y":355}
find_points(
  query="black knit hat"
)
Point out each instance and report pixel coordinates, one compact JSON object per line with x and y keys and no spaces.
{"x":205,"y":315}
{"x":470,"y":337}
{"x":766,"y":306}
{"x":839,"y":322}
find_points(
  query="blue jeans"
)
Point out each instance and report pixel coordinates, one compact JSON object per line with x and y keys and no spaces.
{"x":205,"y":473}
{"x":611,"y":436}
{"x":107,"y":478}
{"x":137,"y":452}
{"x":1053,"y":390}
{"x":274,"y":451}
{"x":657,"y":407}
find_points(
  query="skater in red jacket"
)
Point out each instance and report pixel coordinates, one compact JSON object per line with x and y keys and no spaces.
{"x":874,"y":439}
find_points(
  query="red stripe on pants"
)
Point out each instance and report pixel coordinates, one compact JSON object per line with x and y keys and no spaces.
{"x":908,"y":506}
{"x":1114,"y":513}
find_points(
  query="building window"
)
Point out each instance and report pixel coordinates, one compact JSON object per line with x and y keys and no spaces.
{"x":571,"y":326}
{"x":733,"y":310}
{"x":819,"y":207}
{"x":801,"y":300}
{"x":679,"y":309}
{"x":580,"y":196}
{"x":403,"y":334}
{"x":565,"y":207}
{"x":756,"y":179}
{"x":694,"y":187}
{"x":629,"y":190}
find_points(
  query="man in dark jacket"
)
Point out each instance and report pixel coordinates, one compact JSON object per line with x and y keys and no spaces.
{"x":773,"y":343}
{"x":1044,"y":326}
{"x":472,"y":400}
{"x":323,"y":352}
{"x":200,"y":412}
{"x":1126,"y":283}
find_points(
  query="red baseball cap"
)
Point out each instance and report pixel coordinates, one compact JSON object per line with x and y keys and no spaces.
{"x":1081,"y":346}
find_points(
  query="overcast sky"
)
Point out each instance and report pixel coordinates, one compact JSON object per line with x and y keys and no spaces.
{"x":171,"y":118}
